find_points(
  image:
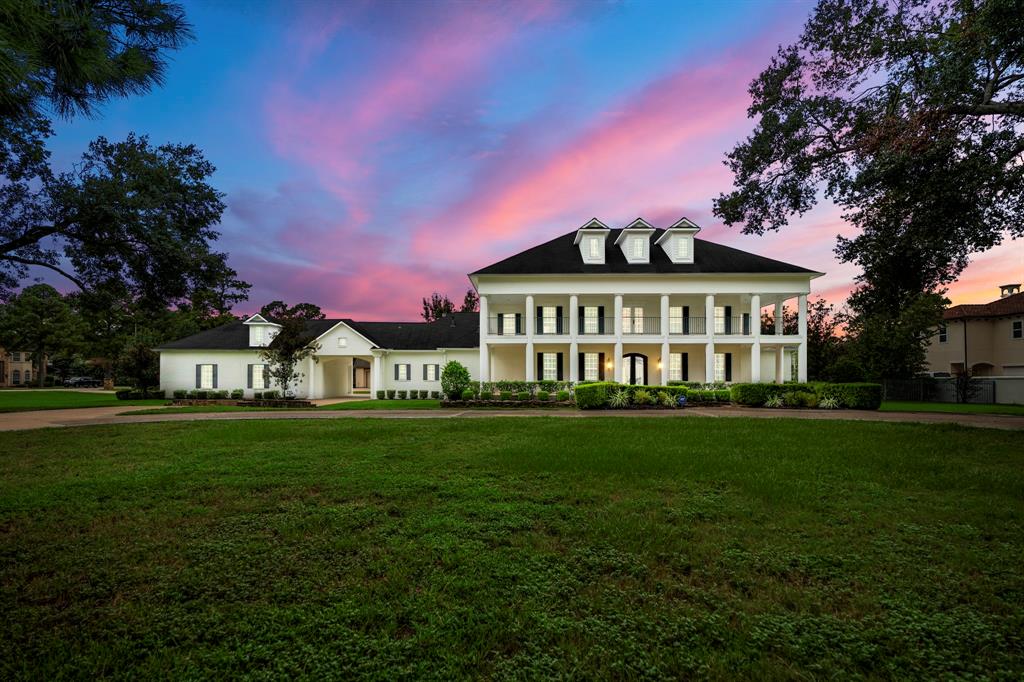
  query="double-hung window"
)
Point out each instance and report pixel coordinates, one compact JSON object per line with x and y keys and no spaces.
{"x":402,"y":372}
{"x":260,"y":376}
{"x":719,"y":319}
{"x":550,"y":367}
{"x":16,"y":376}
{"x":633,"y":320}
{"x":549,"y":319}
{"x":16,"y":357}
{"x":675,"y":319}
{"x":430,"y":372}
{"x":508,"y":324}
{"x":206,"y":376}
{"x":591,"y":325}
{"x":591,"y":372}
{"x":594,"y":247}
{"x":943,"y":337}
{"x":257,"y":336}
{"x":638,"y":247}
{"x":1017,"y":329}
{"x":719,"y":366}
{"x":682,"y":248}
{"x":675,"y":367}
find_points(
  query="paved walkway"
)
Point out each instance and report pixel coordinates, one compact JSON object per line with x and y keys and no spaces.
{"x":17,"y":421}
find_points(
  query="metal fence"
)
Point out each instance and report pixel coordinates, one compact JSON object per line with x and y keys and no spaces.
{"x":936,"y":390}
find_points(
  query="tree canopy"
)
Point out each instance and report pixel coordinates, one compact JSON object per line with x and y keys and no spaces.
{"x":439,"y":305}
{"x":908,"y":114}
{"x":292,"y":344}
{"x":39,"y":320}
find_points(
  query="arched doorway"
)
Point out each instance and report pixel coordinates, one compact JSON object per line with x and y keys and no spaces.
{"x":634,"y":368}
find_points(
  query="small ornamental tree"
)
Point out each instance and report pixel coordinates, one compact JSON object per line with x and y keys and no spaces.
{"x":454,"y":379}
{"x":292,"y":344}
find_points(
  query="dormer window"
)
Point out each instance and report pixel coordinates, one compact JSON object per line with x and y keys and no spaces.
{"x":257,"y":336}
{"x":677,"y":241}
{"x":594,"y":247}
{"x":683,"y":250}
{"x":590,"y":239}
{"x":633,"y":240}
{"x":638,"y":248}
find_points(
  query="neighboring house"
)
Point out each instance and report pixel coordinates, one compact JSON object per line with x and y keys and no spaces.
{"x":638,"y":304}
{"x":987,"y":338}
{"x":16,"y":368}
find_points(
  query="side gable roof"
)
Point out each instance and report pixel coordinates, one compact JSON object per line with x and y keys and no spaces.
{"x":559,"y":256}
{"x":459,"y":330}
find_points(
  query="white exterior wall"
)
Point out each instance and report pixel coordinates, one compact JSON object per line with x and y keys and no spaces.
{"x":178,"y":368}
{"x":416,"y":359}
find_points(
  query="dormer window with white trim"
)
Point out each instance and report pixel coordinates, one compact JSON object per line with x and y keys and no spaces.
{"x":590,"y":239}
{"x":634,"y":239}
{"x":594,"y":247}
{"x":639,"y":250}
{"x":677,"y":241}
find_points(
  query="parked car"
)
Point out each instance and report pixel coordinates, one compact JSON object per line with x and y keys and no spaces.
{"x":83,"y":382}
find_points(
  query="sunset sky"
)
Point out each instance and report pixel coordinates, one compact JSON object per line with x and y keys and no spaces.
{"x":374,"y":152}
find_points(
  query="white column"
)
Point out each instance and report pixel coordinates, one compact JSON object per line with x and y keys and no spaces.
{"x":311,"y":382}
{"x":531,"y":316}
{"x":709,"y":362}
{"x":755,"y":329}
{"x":485,"y":359}
{"x":778,"y":318}
{"x":802,"y":348}
{"x":617,"y":322}
{"x":574,"y":361}
{"x":780,"y":376}
{"x":574,"y":316}
{"x":664,"y":315}
{"x":664,"y":363}
{"x":709,"y":315}
{"x":376,"y":374}
{"x":531,"y":362}
{"x":618,"y":360}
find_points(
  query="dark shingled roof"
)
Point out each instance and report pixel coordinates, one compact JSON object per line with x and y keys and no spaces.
{"x":561,"y":256}
{"x":1008,"y":305}
{"x":459,"y":330}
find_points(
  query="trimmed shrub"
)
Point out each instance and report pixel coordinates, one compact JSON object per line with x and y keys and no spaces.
{"x":505,"y":395}
{"x":380,"y":395}
{"x":202,"y":394}
{"x":562,"y":396}
{"x":424,"y":394}
{"x":485,"y":396}
{"x":435,"y":394}
{"x":224,"y":394}
{"x":592,"y":396}
{"x":754,"y":395}
{"x":468,"y":394}
{"x":544,"y":395}
{"x":237,"y":394}
{"x":271,"y":395}
{"x":391,"y":394}
{"x":723,"y":395}
{"x":180,"y":394}
{"x":400,"y":395}
{"x":258,"y":395}
{"x":861,"y":396}
{"x":523,"y":395}
{"x":800,"y":399}
{"x":455,"y":379}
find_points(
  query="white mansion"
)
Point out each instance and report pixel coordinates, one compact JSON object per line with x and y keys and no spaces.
{"x":636,"y":304}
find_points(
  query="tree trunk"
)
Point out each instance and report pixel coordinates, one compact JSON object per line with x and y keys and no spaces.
{"x":41,"y":367}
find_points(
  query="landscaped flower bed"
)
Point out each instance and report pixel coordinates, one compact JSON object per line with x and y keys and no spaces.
{"x":821,"y":395}
{"x":530,"y":402}
{"x":610,"y":395}
{"x":186,"y":402}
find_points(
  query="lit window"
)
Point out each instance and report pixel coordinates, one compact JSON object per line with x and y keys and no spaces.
{"x":431,"y":372}
{"x":942,"y":333}
{"x":682,"y":248}
{"x":675,"y":367}
{"x":508,"y":324}
{"x":594,"y":244}
{"x":549,"y":321}
{"x":675,"y":319}
{"x":403,"y":372}
{"x":257,"y":336}
{"x":16,"y":357}
{"x":719,"y":366}
{"x":259,"y":376}
{"x":550,"y":366}
{"x":719,"y":319}
{"x":633,"y":320}
{"x":1018,"y":329}
{"x":638,"y":247}
{"x":206,"y":376}
{"x":590,"y":366}
{"x":590,"y":323}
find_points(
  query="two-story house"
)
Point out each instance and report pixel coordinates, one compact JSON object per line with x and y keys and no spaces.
{"x":636,"y":304}
{"x":987,"y":338}
{"x":16,"y":368}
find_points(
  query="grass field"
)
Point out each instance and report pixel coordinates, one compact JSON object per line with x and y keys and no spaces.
{"x":350,"y":405}
{"x":23,"y":400}
{"x":958,"y":408}
{"x":521,"y":548}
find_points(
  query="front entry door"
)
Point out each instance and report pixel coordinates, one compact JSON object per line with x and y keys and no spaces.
{"x":635,"y":368}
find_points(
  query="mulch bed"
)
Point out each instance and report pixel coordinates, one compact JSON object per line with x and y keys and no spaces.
{"x":245,"y":403}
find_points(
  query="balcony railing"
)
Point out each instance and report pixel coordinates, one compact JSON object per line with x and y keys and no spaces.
{"x":693,"y":326}
{"x":506,"y":325}
{"x":732,"y":326}
{"x":547,"y":326}
{"x":641,"y":325}
{"x":596,"y":325}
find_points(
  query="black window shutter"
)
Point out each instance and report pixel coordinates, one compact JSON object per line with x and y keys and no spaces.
{"x":579,"y":314}
{"x":540,"y":320}
{"x":600,"y":366}
{"x":215,"y":376}
{"x":519,"y":323}
{"x":424,"y":371}
{"x":540,"y":366}
{"x":501,"y":324}
{"x":686,"y":321}
{"x":558,"y":367}
{"x":746,"y":324}
{"x":558,"y":324}
{"x":248,"y":378}
{"x":396,"y":371}
{"x":266,"y":376}
{"x":199,"y":375}
{"x":686,"y":366}
{"x":728,"y":319}
{"x":583,"y":367}
{"x":728,"y":366}
{"x":600,"y":321}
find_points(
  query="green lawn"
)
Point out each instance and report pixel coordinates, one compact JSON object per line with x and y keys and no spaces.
{"x":523,"y":548}
{"x":959,"y":408}
{"x":22,"y":400}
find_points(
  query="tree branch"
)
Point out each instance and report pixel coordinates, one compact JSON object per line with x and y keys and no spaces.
{"x":43,"y":264}
{"x":1011,"y":108}
{"x":29,"y":238}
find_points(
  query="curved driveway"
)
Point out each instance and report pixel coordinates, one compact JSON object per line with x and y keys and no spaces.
{"x":18,"y":421}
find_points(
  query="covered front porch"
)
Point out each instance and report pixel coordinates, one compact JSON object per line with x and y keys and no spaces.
{"x":339,"y":376}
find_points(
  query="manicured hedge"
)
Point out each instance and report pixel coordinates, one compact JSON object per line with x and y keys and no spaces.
{"x":857,"y":396}
{"x":593,"y":396}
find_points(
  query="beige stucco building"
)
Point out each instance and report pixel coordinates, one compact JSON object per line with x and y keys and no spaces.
{"x":987,"y":338}
{"x":16,"y":368}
